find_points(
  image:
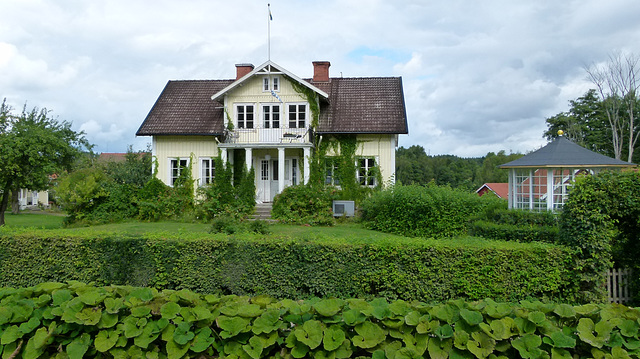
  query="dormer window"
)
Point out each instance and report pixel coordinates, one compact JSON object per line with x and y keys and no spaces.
{"x":270,"y":83}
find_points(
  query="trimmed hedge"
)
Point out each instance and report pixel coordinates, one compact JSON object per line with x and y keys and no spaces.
{"x":76,"y":321}
{"x":409,"y":269}
{"x":512,"y":232}
{"x":516,"y":225}
{"x":429,"y":211}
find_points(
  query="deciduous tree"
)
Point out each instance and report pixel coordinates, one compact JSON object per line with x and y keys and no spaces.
{"x":33,"y":146}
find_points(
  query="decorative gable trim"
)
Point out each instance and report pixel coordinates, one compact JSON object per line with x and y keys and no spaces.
{"x":268,"y":68}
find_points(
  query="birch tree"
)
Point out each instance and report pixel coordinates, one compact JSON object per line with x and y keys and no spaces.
{"x":617,"y":84}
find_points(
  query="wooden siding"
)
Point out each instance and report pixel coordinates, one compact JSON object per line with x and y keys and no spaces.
{"x":382,"y":147}
{"x":183,"y":147}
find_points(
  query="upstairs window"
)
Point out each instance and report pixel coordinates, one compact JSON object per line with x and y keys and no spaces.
{"x":176,"y":167}
{"x":297,"y":115}
{"x":207,"y":171}
{"x":271,"y":116}
{"x":244,"y":116}
{"x":367,"y":171}
{"x":271,"y":83}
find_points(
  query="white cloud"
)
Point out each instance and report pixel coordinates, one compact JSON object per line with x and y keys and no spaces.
{"x":478,"y":76}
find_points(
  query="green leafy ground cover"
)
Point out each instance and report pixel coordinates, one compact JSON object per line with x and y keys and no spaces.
{"x":76,"y":320}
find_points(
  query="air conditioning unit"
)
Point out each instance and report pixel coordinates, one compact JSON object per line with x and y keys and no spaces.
{"x":344,"y":208}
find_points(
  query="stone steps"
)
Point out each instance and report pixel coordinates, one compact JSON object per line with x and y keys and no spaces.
{"x":263,"y":211}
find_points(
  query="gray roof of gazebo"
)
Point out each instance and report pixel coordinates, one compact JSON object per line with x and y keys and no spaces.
{"x":563,"y":153}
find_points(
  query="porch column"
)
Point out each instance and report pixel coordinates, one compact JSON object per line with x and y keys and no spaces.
{"x":223,"y":156}
{"x":248,"y":158}
{"x":307,"y":170}
{"x":280,"y":169}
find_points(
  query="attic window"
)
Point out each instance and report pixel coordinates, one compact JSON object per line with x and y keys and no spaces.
{"x":270,"y":83}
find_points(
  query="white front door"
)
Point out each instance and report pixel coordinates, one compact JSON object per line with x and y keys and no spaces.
{"x":267,"y":186}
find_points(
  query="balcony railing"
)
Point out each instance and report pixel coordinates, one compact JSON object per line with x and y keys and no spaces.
{"x":268,"y":136}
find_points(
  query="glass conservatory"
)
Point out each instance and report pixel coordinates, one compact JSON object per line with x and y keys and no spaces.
{"x":541,"y":180}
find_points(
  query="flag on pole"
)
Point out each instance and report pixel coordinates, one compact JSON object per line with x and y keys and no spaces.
{"x":270,"y":16}
{"x":274,"y":94}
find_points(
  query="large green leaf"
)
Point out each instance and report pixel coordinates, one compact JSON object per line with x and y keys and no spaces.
{"x":329,"y":307}
{"x":471,"y":316}
{"x":201,"y":313}
{"x":113,"y":305}
{"x":134,"y":326}
{"x":61,"y":296}
{"x":231,"y":326}
{"x":170,"y":310}
{"x":481,"y":345}
{"x":369,"y":335}
{"x":310,"y":333}
{"x":333,"y":338}
{"x":183,"y":334}
{"x":141,"y":312}
{"x":143,"y":293}
{"x":79,"y":346}
{"x":105,"y":340}
{"x":255,"y":347}
{"x":202,"y":340}
{"x":565,"y":311}
{"x":629,"y":328}
{"x":175,"y":350}
{"x":89,"y":316}
{"x":439,"y":349}
{"x":586,"y":329}
{"x":444,"y":332}
{"x":92,"y":296}
{"x":561,"y":340}
{"x":267,"y":322}
{"x":11,"y":334}
{"x":528,"y":346}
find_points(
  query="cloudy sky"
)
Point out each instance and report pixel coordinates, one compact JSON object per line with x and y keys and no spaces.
{"x":478,"y":76}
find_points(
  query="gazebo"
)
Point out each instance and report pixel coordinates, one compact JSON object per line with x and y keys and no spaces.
{"x":541,"y":180}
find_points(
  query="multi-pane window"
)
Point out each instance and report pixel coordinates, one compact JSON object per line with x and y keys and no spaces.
{"x":244,"y":115}
{"x":271,"y":83}
{"x":207,"y":171}
{"x":297,"y":115}
{"x":331,"y":170}
{"x":176,"y":166}
{"x":366,"y":171}
{"x":271,"y":116}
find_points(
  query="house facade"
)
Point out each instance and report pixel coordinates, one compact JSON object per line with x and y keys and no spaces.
{"x":271,"y":120}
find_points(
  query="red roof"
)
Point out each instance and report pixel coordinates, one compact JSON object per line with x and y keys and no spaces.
{"x":499,"y":189}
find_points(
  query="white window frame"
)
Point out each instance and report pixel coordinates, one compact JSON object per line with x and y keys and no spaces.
{"x":178,"y":160}
{"x":264,"y":113}
{"x":210,"y":175}
{"x":271,"y":83}
{"x":369,"y":178}
{"x":297,"y":120}
{"x":244,"y":120}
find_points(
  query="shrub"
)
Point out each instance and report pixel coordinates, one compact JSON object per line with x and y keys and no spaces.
{"x":222,"y":198}
{"x":601,"y":219}
{"x":417,"y":211}
{"x":516,"y":225}
{"x":403,"y":268}
{"x":76,"y":320}
{"x":305,"y":204}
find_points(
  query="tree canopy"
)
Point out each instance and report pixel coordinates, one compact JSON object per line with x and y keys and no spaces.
{"x":33,"y":146}
{"x":414,"y":166}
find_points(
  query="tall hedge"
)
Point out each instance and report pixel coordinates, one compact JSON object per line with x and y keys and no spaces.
{"x":75,"y":320}
{"x":601,"y":218}
{"x":409,"y":269}
{"x":424,"y":211}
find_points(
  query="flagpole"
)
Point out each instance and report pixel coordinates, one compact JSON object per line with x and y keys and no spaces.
{"x":269,"y":33}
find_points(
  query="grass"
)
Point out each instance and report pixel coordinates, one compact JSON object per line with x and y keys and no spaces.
{"x":342,"y":233}
{"x":33,"y":220}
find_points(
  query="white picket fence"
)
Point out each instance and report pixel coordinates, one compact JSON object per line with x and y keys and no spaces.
{"x":618,"y":285}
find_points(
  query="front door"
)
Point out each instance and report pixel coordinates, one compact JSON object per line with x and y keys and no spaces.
{"x":267,"y":180}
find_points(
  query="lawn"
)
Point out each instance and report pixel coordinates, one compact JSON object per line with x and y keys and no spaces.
{"x":347,"y":232}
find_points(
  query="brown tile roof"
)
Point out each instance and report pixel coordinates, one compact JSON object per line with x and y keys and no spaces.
{"x":355,"y":105}
{"x":186,"y":108}
{"x":363,"y":105}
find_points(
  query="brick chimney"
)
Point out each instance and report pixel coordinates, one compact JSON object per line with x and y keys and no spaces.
{"x":243,"y":69}
{"x":321,"y":71}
